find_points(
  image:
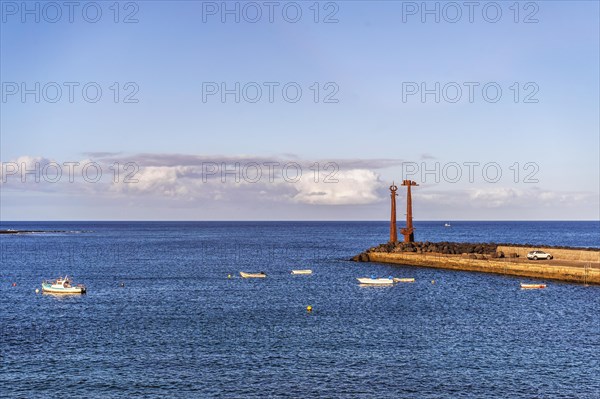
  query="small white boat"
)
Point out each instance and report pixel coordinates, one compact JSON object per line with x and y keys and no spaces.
{"x":404,"y":280}
{"x":447,"y":225}
{"x":62,"y":286}
{"x":253,"y":275}
{"x":376,"y":281}
{"x":302,"y":271}
{"x":532,"y":286}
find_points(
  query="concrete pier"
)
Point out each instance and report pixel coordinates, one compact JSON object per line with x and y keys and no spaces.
{"x":573,"y":265}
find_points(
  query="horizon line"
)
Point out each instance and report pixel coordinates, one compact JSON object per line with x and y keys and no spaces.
{"x":297,"y":220}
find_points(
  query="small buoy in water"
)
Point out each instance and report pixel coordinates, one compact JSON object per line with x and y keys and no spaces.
{"x":14,"y":284}
{"x":122,"y":284}
{"x":309,"y":308}
{"x":37,"y":291}
{"x":229,"y":276}
{"x":432,"y":281}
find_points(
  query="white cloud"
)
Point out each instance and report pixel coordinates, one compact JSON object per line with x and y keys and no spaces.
{"x":27,"y":170}
{"x":160,"y":180}
{"x":353,"y":187}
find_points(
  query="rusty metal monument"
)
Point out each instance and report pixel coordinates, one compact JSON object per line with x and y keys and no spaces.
{"x":393,"y":228}
{"x":408,"y":231}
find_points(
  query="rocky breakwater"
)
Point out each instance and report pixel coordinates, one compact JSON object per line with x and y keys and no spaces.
{"x":467,"y":250}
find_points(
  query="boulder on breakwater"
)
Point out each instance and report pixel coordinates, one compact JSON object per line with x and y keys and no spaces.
{"x":470,"y":250}
{"x":473,"y":250}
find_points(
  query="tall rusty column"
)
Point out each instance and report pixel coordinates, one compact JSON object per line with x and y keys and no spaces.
{"x":408,"y":232}
{"x":393,"y":228}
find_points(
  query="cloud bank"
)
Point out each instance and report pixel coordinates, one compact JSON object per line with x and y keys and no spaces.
{"x":211,"y":186}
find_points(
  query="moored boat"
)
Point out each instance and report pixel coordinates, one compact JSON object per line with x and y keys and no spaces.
{"x":376,"y":281}
{"x":532,"y":286}
{"x":63,"y":286}
{"x":302,"y":271}
{"x":253,"y":275}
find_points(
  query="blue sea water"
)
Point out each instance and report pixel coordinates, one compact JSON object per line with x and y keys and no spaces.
{"x":181,"y":328}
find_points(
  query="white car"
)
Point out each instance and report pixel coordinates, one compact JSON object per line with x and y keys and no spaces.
{"x":535,"y":255}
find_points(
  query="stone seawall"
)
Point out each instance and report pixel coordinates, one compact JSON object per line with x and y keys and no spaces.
{"x":579,"y":274}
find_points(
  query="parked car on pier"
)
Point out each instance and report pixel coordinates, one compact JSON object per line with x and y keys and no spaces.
{"x":535,"y":255}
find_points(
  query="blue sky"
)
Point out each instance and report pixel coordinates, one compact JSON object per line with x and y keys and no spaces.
{"x":375,"y":51}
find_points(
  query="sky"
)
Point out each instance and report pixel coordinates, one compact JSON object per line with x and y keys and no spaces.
{"x":191,"y":110}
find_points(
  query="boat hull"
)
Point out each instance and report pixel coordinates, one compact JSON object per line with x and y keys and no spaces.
{"x":533,"y":286}
{"x":404,"y":280}
{"x":375,"y":281}
{"x":306,"y":271}
{"x":60,"y":290}
{"x":252,"y":275}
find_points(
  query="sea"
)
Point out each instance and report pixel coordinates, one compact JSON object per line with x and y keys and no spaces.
{"x":167,"y":315}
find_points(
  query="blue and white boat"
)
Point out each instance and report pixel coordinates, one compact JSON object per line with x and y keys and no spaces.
{"x":62,"y":286}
